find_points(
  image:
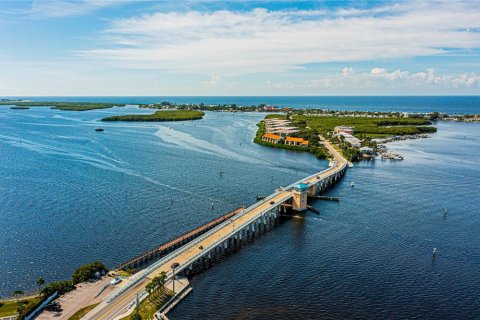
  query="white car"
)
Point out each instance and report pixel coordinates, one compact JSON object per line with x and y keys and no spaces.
{"x":115,"y":281}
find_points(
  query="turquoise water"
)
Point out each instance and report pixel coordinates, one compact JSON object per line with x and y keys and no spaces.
{"x":70,"y":195}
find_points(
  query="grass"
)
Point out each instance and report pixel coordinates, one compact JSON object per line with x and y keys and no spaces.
{"x":82,"y":312}
{"x":124,"y":273}
{"x":8,"y":308}
{"x":276,"y":116}
{"x":371,"y":127}
{"x":167,"y":115}
{"x":66,"y":106}
{"x":148,"y":309}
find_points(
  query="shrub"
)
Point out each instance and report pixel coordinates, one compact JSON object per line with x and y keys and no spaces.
{"x":61,"y":286}
{"x":87,"y":272}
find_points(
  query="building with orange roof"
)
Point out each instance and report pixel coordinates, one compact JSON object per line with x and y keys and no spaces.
{"x":293,"y":141}
{"x":272,"y":138}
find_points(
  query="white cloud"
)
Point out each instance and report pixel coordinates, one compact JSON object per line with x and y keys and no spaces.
{"x":347,"y":71}
{"x":381,"y":78}
{"x":232,"y":43}
{"x":214,"y":80}
{"x":428,"y":77}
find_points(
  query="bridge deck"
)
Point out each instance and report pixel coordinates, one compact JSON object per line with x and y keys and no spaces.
{"x":192,"y":251}
{"x":182,"y":238}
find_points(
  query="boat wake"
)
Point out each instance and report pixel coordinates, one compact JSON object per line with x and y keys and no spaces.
{"x":189,"y":142}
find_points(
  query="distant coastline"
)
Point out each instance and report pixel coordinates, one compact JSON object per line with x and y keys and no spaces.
{"x":232,"y":107}
{"x":457,"y":104}
{"x":164,"y":115}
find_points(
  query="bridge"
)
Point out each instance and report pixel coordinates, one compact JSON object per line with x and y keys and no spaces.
{"x":238,"y":228}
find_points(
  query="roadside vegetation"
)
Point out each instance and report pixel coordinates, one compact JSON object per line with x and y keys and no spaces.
{"x":166,"y":115}
{"x":82,"y":312}
{"x":158,"y":295}
{"x":66,"y":106}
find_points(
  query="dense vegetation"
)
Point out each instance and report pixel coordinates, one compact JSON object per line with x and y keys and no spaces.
{"x":87,"y":271}
{"x":370,"y":127}
{"x":203,"y":107}
{"x":61,"y":286}
{"x":316,"y":149}
{"x":67,"y":106}
{"x":164,"y":115}
{"x":366,"y":128}
{"x":81,"y":274}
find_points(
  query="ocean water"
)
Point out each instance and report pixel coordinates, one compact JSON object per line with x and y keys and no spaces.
{"x":70,"y":195}
{"x":446,"y":104}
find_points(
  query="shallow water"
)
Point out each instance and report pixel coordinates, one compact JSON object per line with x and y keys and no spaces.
{"x":70,"y":195}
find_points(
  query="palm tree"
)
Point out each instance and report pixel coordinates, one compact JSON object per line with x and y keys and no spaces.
{"x":17,"y":293}
{"x":40,"y":283}
{"x":156,"y":288}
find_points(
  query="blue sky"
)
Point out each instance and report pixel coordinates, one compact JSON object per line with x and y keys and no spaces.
{"x":120,"y":47}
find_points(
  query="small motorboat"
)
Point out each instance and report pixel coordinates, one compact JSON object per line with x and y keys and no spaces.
{"x":352,"y":184}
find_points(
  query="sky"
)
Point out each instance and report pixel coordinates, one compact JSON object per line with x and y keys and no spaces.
{"x":237,"y":48}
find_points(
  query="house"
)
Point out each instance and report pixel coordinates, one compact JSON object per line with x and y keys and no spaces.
{"x":340,"y":129}
{"x":292,"y":141}
{"x":272,"y":138}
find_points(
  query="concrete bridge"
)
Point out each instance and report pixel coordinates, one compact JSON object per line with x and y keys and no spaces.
{"x":244,"y":225}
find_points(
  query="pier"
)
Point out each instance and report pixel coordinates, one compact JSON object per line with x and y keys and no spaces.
{"x":175,"y":243}
{"x":241,"y":226}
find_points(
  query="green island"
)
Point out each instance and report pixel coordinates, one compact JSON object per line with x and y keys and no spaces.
{"x":163,"y":115}
{"x":65,"y":106}
{"x":301,"y":131}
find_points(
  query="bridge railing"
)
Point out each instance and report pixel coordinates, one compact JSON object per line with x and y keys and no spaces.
{"x":188,"y":246}
{"x":143,"y":274}
{"x":226,"y":236}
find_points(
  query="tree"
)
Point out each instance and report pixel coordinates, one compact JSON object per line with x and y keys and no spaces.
{"x":136,"y":316}
{"x":434,"y":116}
{"x":87,"y":271}
{"x":20,"y":307}
{"x":17,"y":293}
{"x":156,"y":289}
{"x":40,"y":283}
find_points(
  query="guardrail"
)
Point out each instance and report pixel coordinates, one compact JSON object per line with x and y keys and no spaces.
{"x":141,"y":275}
